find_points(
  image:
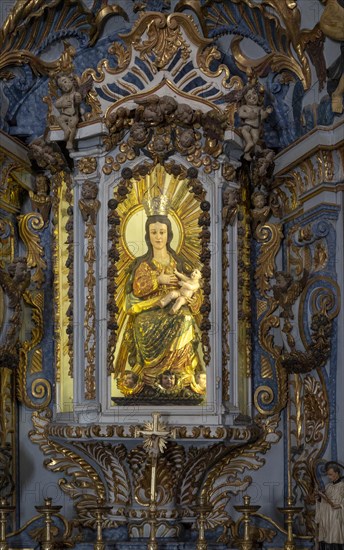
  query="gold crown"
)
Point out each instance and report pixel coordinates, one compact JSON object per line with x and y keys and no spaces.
{"x":157,"y":206}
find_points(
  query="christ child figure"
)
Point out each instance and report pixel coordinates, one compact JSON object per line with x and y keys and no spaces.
{"x":188,"y":286}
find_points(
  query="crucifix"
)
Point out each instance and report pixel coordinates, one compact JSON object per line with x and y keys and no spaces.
{"x":155,"y":435}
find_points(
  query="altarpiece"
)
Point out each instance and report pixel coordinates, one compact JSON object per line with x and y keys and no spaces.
{"x":169,"y":259}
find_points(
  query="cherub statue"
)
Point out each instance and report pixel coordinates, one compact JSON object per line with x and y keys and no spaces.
{"x":117,"y":120}
{"x":139,"y":134}
{"x":188,"y":286}
{"x":331,"y":24}
{"x":261,"y":209}
{"x":186,"y":140}
{"x":263,"y":166}
{"x":214,"y":125}
{"x":149,"y":111}
{"x":47,"y":155}
{"x":252,"y":114}
{"x":154,"y":109}
{"x":40,"y":199}
{"x":89,"y":204}
{"x":184,"y":114}
{"x":68,"y":104}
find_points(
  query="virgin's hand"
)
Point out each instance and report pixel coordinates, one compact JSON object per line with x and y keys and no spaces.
{"x":165,"y":279}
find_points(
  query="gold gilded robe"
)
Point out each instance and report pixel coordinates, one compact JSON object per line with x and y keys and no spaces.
{"x":160,"y":341}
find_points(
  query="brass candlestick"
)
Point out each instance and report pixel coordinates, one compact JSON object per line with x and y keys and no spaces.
{"x":202,"y":510}
{"x":152,"y":543}
{"x":290,"y":511}
{"x":48,"y":510}
{"x":5,"y":509}
{"x":247,"y":510}
{"x":100,"y":510}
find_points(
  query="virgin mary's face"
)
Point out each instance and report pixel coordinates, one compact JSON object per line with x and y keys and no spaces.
{"x":158,"y":235}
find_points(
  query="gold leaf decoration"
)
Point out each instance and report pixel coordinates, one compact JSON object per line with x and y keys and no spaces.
{"x":29,"y":225}
{"x":261,"y":307}
{"x":278,"y":23}
{"x":63,"y":459}
{"x":266,"y":368}
{"x":36,"y":361}
{"x":269,"y":235}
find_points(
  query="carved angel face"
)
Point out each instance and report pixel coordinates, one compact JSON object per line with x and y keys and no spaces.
{"x":89,"y":190}
{"x":251,"y":97}
{"x":18,"y":269}
{"x":65,"y":83}
{"x":168,"y":380}
{"x":259,"y":200}
{"x":130,"y":379}
{"x":187,"y":139}
{"x":201,"y":379}
{"x":42,"y":184}
{"x":196,"y":275}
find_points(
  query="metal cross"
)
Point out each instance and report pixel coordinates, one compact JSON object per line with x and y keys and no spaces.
{"x":155,"y":435}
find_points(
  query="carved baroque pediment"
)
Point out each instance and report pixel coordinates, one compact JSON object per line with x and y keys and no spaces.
{"x":165,"y":52}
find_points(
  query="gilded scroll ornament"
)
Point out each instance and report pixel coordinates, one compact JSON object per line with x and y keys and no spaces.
{"x":317,"y":352}
{"x":308,"y":427}
{"x":112,"y":461}
{"x":206,"y":57}
{"x":40,"y":387}
{"x":164,"y":37}
{"x":122,"y":56}
{"x":69,"y":461}
{"x":269,"y":235}
{"x":287,"y":44}
{"x":29,"y":227}
{"x":39,"y":17}
{"x":229,"y":465}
